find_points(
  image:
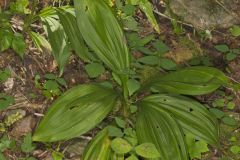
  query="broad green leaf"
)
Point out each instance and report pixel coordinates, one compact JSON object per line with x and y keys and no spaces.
{"x":149,"y":60}
{"x":147,"y":150}
{"x":27,"y":145}
{"x":219,"y":103}
{"x":94,"y":69}
{"x":229,"y":121}
{"x":147,"y":8}
{"x":121,"y":123}
{"x":59,"y":44}
{"x":49,"y":15}
{"x":222,"y":48}
{"x":235,"y":149}
{"x":133,"y":108}
{"x":235,"y":31}
{"x":190,"y":81}
{"x":62,"y":81}
{"x":195,"y":148}
{"x":156,"y":126}
{"x":57,"y":155}
{"x":131,"y":24}
{"x":145,"y":50}
{"x":99,"y":148}
{"x":132,"y":157}
{"x":161,"y":47}
{"x":236,"y":50}
{"x":5,"y":101}
{"x":129,"y":9}
{"x":136,"y":42}
{"x":47,"y":12}
{"x":75,"y":113}
{"x":50,"y":76}
{"x":5,"y":74}
{"x":145,"y":40}
{"x":117,"y":157}
{"x":40,"y":41}
{"x":218,"y":113}
{"x":51,"y":85}
{"x":5,"y":143}
{"x":130,"y":132}
{"x":231,"y":105}
{"x":101,"y":31}
{"x":120,"y":146}
{"x":231,"y":56}
{"x":132,"y":140}
{"x":114,"y":131}
{"x":133,"y":86}
{"x":69,"y":24}
{"x":18,"y":44}
{"x":2,"y":157}
{"x":20,"y":6}
{"x":192,"y":116}
{"x":167,"y":64}
{"x":5,"y":39}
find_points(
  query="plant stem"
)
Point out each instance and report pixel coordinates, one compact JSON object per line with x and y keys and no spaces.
{"x":31,"y":16}
{"x":124,"y":79}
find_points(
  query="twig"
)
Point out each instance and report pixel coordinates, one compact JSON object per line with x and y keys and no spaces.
{"x":86,"y":138}
{"x":234,"y":80}
{"x":41,"y":68}
{"x":39,"y":114}
{"x":5,"y":4}
{"x":15,"y":75}
{"x":172,"y":19}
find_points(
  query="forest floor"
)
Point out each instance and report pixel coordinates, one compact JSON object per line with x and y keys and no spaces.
{"x":32,"y":101}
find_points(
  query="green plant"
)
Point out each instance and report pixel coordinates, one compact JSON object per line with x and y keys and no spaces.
{"x":27,"y":145}
{"x":163,"y":118}
{"x":61,"y":27}
{"x":52,"y":86}
{"x":229,"y":54}
{"x":146,"y":7}
{"x":9,"y":121}
{"x":57,"y":155}
{"x":9,"y":144}
{"x":224,"y":102}
{"x":14,"y":31}
{"x":4,"y":75}
{"x":235,"y":31}
{"x":152,"y":53}
{"x":5,"y":143}
{"x":195,"y":146}
{"x":5,"y":101}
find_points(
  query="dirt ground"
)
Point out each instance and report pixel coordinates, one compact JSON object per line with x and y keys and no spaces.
{"x":32,"y":104}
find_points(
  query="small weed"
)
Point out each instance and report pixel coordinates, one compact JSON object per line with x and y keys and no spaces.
{"x":224,"y":102}
{"x":229,"y":54}
{"x":25,"y":147}
{"x":51,"y":86}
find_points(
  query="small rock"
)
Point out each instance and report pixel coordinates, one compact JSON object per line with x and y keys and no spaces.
{"x":23,"y":127}
{"x":8,"y":85}
{"x":48,"y":157}
{"x":76,"y":149}
{"x":207,"y":13}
